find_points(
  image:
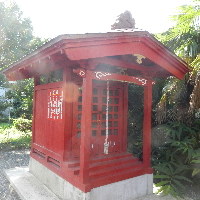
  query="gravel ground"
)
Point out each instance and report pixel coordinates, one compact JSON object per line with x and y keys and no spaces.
{"x":17,"y":158}
{"x":11,"y":159}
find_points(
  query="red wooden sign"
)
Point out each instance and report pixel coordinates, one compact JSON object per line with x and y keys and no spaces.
{"x":55,"y":101}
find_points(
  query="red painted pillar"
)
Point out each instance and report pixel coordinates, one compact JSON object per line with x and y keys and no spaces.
{"x":86,"y":127}
{"x":67,"y":72}
{"x":36,"y":82}
{"x":147,"y":124}
{"x":125,"y":110}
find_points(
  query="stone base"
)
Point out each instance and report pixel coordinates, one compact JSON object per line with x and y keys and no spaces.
{"x":127,"y":189}
{"x":27,"y":185}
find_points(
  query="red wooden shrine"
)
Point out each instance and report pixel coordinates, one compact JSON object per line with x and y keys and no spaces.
{"x":80,"y":102}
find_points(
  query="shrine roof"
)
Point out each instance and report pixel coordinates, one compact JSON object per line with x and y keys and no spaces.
{"x":124,"y":47}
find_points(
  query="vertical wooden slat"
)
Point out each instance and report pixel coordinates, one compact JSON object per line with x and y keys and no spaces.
{"x":86,"y":127}
{"x":67,"y":116}
{"x":147,"y":124}
{"x":125,"y":114}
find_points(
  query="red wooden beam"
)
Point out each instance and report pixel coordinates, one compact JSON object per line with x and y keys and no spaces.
{"x":67,"y":107}
{"x":147,"y":124}
{"x":139,"y":47}
{"x":91,"y":46}
{"x":86,"y":127}
{"x":104,"y":76}
{"x":118,"y":77}
{"x":160,"y":49}
{"x":37,"y":68}
{"x":34,"y":57}
{"x":36,"y":81}
{"x":124,"y":124}
{"x":124,"y":64}
{"x":19,"y":75}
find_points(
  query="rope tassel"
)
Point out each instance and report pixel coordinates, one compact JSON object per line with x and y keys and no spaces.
{"x":106,"y":144}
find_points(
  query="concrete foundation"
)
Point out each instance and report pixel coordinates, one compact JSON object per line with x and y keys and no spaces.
{"x":28,"y":186}
{"x":123,"y":190}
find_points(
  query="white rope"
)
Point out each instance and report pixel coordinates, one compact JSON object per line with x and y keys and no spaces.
{"x":106,"y":144}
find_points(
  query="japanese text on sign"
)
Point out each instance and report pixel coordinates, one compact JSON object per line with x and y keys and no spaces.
{"x":55,"y":101}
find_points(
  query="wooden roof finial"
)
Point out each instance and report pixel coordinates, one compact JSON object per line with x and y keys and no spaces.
{"x":124,"y":21}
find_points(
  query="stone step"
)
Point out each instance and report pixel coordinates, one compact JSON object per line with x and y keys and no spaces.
{"x":27,"y":185}
{"x":114,"y":169}
{"x":107,"y":178}
{"x":98,"y":159}
{"x":114,"y":163}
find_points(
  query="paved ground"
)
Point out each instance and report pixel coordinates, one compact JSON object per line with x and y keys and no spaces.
{"x":18,"y":158}
{"x":11,"y":159}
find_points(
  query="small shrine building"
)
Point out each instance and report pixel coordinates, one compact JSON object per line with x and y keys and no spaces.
{"x":79,"y":144}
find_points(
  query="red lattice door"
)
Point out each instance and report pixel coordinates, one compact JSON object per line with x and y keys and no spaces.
{"x":98,"y":126}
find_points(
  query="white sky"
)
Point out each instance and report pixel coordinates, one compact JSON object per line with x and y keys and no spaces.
{"x":51,"y":18}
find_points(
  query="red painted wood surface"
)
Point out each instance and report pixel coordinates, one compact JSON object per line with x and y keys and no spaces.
{"x":125,"y":118}
{"x":105,"y":170}
{"x":76,"y":124}
{"x":88,"y":123}
{"x":45,"y":127}
{"x":104,"y":76}
{"x":71,"y":142}
{"x":123,"y":64}
{"x":77,"y":47}
{"x":86,"y":104}
{"x":86,"y":128}
{"x":117,"y":115}
{"x":67,"y":116}
{"x":89,"y":52}
{"x":147,"y":124}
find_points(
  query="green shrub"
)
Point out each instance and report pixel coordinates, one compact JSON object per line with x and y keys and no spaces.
{"x":21,"y":142}
{"x":21,"y":124}
{"x":173,"y":162}
{"x":11,"y":138}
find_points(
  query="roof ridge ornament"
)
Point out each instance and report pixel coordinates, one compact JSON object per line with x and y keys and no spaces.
{"x":124,"y":21}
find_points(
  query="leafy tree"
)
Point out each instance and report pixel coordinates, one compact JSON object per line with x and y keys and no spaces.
{"x":21,"y":94}
{"x":15,"y":34}
{"x":173,"y":161}
{"x":16,"y":41}
{"x":184,"y":39}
